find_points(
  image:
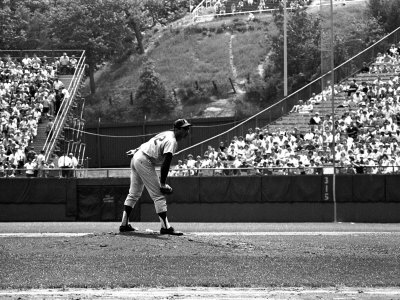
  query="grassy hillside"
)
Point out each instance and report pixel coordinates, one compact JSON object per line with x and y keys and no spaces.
{"x":184,"y":56}
{"x":202,"y":53}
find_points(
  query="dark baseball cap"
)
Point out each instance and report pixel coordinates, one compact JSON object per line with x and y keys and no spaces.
{"x":181,"y":123}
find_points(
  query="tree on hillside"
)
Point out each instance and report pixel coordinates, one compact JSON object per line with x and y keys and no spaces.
{"x":304,"y":46}
{"x":99,"y":27}
{"x":22,"y":24}
{"x":360,"y":34}
{"x":151,"y":96}
{"x":166,"y":11}
{"x":8,"y":32}
{"x":303,"y":40}
{"x":106,"y":29}
{"x":386,"y":12}
{"x":143,"y":15}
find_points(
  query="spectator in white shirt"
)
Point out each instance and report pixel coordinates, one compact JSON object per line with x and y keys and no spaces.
{"x":64,"y":163}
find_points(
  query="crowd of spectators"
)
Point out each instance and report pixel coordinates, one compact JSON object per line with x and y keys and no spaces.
{"x":30,"y":92}
{"x":222,"y":7}
{"x":367,"y":134}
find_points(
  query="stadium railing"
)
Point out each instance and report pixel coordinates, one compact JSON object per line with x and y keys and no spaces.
{"x":208,"y":172}
{"x":204,"y":11}
{"x":61,"y":117}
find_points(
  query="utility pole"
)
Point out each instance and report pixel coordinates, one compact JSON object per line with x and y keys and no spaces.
{"x":333,"y":115}
{"x":285,"y":75}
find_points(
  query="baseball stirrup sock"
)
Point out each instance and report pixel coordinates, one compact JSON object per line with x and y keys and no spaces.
{"x":164,"y":220}
{"x":125,"y":215}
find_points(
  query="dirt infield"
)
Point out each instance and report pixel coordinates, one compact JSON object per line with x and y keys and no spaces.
{"x":212,"y":261}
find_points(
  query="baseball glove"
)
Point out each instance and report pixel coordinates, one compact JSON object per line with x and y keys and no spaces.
{"x":166,"y":189}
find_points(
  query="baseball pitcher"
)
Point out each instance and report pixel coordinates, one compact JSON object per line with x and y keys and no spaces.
{"x":159,"y":149}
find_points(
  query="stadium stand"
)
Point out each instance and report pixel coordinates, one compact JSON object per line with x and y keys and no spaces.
{"x":367,"y":133}
{"x":31,"y":96}
{"x":232,"y":7}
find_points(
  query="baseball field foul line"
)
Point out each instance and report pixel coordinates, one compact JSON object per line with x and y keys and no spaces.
{"x":201,"y":293}
{"x":272,"y":233}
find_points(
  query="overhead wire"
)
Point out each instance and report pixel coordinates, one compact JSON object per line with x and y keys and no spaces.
{"x":148,"y":134}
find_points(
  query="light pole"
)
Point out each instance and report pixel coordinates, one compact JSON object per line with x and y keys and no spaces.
{"x":285,"y":75}
{"x":333,"y":117}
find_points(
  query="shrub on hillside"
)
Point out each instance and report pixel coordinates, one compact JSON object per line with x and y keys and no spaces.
{"x":151,"y":96}
{"x":220,"y":30}
{"x":239,"y":25}
{"x":387,"y":13}
{"x":192,"y":30}
{"x":191,"y":96}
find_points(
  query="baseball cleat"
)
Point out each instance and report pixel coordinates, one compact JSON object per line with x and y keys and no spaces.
{"x":170,"y":231}
{"x":127,"y":228}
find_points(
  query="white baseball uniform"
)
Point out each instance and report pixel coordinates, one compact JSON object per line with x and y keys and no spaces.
{"x":143,"y":173}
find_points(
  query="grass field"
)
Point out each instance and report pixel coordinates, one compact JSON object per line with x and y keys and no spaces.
{"x":281,"y":257}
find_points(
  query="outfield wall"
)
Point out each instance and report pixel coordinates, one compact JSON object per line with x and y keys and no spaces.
{"x":359,"y":198}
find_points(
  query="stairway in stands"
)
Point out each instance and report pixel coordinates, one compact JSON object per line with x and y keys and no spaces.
{"x":301,"y":121}
{"x":40,"y":139}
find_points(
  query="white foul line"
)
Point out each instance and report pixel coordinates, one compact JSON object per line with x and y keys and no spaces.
{"x":205,"y":293}
{"x":43,"y":234}
{"x":291,"y":233}
{"x":261,"y":233}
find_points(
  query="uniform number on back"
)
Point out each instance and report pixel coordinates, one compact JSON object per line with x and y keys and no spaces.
{"x":160,"y":139}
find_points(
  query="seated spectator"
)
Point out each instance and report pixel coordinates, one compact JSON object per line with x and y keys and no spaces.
{"x":365,"y":68}
{"x":179,"y":170}
{"x":357,"y":97}
{"x":345,"y":103}
{"x":240,"y":5}
{"x":219,"y":169}
{"x":64,"y":64}
{"x":297,"y":107}
{"x":383,"y":69}
{"x":26,"y":61}
{"x":73,"y":62}
{"x":222,"y":9}
{"x":393,"y":51}
{"x":250,"y":135}
{"x":316,"y":119}
{"x":217,"y":6}
{"x":58,"y":85}
{"x":307,"y":108}
{"x":352,"y":130}
{"x":353,"y":87}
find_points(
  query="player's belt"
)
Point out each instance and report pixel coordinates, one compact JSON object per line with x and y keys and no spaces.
{"x":151,"y":159}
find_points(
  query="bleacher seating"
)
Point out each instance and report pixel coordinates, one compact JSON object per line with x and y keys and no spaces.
{"x":27,"y":101}
{"x":367,"y":133}
{"x":240,"y":6}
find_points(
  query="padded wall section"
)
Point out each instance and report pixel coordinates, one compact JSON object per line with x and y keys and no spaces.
{"x":34,"y":213}
{"x":103,"y":203}
{"x":291,"y":189}
{"x":392,"y":188}
{"x":369,"y":212}
{"x":185,"y":189}
{"x":369,"y":188}
{"x":344,"y":188}
{"x":36,"y":190}
{"x":230,"y":189}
